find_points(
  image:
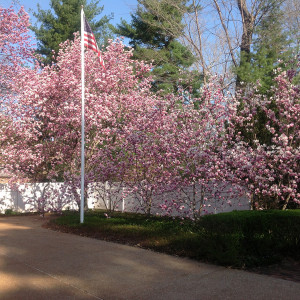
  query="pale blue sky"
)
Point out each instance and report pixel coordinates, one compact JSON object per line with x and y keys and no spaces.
{"x":120,"y":8}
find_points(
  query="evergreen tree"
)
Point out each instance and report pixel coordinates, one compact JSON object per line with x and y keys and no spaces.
{"x":153,"y":42}
{"x":270,"y":47}
{"x":63,"y":19}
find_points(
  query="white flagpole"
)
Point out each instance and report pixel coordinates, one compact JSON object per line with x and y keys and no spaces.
{"x":82,"y":118}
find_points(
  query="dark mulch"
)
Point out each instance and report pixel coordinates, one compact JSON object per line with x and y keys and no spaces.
{"x":288,"y":269}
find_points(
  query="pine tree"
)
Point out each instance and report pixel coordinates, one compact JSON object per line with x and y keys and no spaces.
{"x":153,"y":42}
{"x":63,"y":19}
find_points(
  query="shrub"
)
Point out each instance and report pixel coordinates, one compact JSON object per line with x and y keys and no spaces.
{"x":9,"y":211}
{"x":250,"y":238}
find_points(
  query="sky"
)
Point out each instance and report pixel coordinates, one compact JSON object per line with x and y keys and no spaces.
{"x":120,"y":8}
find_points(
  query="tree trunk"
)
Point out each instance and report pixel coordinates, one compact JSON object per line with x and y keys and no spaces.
{"x":248,"y":27}
{"x":286,"y":202}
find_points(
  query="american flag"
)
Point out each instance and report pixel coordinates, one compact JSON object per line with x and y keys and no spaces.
{"x":90,"y":41}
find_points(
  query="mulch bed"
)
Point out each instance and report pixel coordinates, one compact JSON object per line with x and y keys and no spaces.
{"x":288,"y":269}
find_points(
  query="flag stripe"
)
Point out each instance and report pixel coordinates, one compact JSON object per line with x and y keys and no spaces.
{"x":90,"y":44}
{"x":90,"y":41}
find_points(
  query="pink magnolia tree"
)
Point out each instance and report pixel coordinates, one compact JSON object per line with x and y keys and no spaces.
{"x":199,"y":180}
{"x":169,"y":156}
{"x":172,"y":156}
{"x":271,"y":171}
{"x":46,"y":110}
{"x":15,"y":46}
{"x":15,"y":52}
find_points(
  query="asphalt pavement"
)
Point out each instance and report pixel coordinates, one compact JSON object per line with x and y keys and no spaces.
{"x":38,"y":263}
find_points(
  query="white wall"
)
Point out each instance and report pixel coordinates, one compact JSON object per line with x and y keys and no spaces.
{"x":57,"y":196}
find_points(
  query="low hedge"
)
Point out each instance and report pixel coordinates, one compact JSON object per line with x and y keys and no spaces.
{"x":250,"y":238}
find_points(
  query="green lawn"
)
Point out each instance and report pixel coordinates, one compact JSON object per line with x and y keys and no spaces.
{"x":238,"y":239}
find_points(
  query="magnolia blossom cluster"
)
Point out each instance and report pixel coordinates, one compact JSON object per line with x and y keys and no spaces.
{"x":270,"y":171}
{"x":15,"y":46}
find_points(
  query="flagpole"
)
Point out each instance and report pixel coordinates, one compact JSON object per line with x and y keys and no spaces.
{"x":82,"y":118}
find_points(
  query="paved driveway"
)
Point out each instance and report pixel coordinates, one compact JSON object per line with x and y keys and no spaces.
{"x":37,"y":263}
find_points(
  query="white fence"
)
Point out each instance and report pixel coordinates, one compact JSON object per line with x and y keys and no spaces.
{"x":59,"y":196}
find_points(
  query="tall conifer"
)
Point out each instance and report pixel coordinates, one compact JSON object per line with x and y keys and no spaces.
{"x":58,"y":24}
{"x":153,"y":42}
